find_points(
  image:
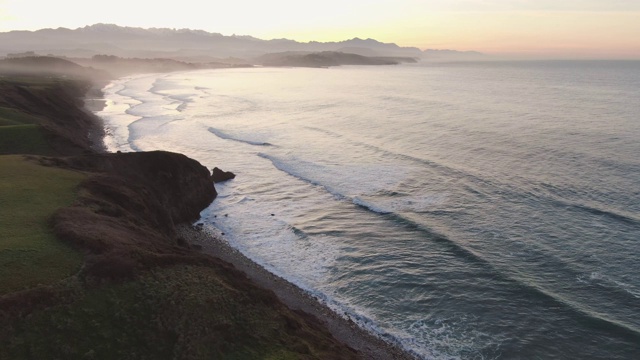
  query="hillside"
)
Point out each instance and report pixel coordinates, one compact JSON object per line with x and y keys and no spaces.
{"x":41,"y":107}
{"x":91,"y":264}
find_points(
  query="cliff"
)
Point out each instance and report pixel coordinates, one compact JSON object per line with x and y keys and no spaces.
{"x":47,"y":94}
{"x":132,"y":287}
{"x":130,"y":204}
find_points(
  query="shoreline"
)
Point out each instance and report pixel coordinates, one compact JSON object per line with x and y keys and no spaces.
{"x":346,"y":331}
{"x":368,"y":345}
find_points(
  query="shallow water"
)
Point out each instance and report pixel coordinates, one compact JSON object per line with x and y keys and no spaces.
{"x":472,"y":211}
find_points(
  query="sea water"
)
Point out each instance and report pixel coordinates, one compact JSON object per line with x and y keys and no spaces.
{"x":461,"y":210}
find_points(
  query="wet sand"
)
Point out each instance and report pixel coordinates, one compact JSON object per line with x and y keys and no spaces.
{"x":369,"y":346}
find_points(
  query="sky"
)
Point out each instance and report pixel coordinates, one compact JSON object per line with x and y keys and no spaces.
{"x":519,"y":28}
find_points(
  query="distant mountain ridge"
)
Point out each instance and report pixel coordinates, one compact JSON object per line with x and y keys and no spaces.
{"x":189,"y":45}
{"x":164,"y":42}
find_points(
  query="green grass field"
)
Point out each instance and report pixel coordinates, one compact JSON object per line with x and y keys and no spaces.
{"x":29,"y":253}
{"x":195,"y":312}
{"x":20,"y":134}
{"x":185,"y":312}
{"x":23,"y":139}
{"x":10,"y":116}
{"x":20,"y":131}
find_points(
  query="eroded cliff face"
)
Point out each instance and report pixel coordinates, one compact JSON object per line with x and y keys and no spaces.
{"x":131,"y":289}
{"x":175,"y":181}
{"x":129,"y":205}
{"x":142,"y":291}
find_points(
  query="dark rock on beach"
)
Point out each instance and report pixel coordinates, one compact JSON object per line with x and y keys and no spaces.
{"x":218,"y":175}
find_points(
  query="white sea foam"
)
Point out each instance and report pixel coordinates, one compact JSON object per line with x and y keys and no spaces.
{"x":226,"y":136}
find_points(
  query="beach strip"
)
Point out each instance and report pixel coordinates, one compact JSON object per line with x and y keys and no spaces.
{"x":344,"y":330}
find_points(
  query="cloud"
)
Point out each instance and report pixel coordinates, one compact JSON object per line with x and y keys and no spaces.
{"x":547,"y":5}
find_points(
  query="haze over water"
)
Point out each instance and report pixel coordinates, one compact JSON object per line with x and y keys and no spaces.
{"x":472,"y":211}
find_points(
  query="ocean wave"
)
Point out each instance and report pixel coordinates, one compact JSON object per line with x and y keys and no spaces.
{"x":621,"y":290}
{"x":420,"y":204}
{"x":612,"y":214}
{"x":452,"y":338}
{"x":372,"y":207}
{"x":482,"y":187}
{"x":397,"y":217}
{"x":181,"y":102}
{"x":533,"y":290}
{"x":281,"y":250}
{"x":226,"y":136}
{"x":446,"y":170}
{"x":162,"y":84}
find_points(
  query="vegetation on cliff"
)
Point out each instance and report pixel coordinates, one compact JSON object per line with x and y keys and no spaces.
{"x":30,"y":253}
{"x":90,"y":263}
{"x":42,"y":113}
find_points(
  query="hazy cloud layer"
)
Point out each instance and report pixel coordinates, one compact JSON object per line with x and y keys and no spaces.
{"x":599,"y":27}
{"x":544,"y":5}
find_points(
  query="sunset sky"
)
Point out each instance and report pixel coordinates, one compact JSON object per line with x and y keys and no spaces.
{"x":535,"y":28}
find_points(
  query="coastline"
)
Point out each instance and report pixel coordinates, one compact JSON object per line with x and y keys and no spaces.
{"x":103,"y":273}
{"x":368,"y":345}
{"x":128,"y":225}
{"x":282,"y":258}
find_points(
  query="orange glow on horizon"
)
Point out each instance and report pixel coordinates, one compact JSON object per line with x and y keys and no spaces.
{"x":500,"y":26}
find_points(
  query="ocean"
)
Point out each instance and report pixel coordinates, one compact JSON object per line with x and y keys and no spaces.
{"x":485,"y":210}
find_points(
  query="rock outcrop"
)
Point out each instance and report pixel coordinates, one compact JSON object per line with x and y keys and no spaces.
{"x":131,"y":202}
{"x":218,"y":175}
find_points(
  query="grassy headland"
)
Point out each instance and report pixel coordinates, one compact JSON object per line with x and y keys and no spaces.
{"x":31,"y":254}
{"x":91,"y":265}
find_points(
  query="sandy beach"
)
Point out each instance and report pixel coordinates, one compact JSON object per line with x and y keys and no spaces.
{"x":344,"y":330}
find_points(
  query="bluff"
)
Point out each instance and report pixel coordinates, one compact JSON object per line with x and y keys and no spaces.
{"x":128,"y":207}
{"x":48,"y":93}
{"x":134,"y":288}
